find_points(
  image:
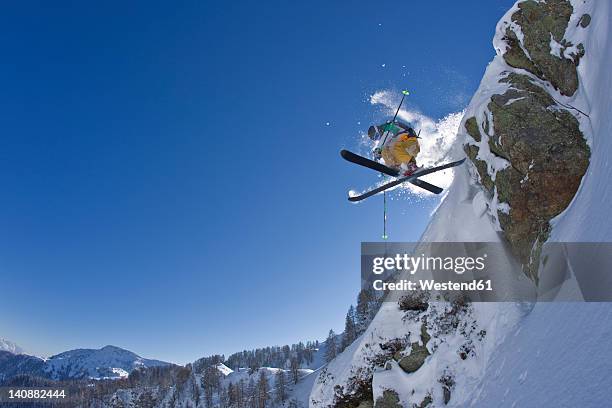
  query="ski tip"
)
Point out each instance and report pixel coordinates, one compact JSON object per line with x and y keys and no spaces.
{"x":346,"y":154}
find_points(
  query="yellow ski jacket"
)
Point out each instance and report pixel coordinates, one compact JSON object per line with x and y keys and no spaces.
{"x":401,"y":149}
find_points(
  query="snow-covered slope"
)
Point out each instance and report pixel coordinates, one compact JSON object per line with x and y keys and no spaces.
{"x":558,"y":356}
{"x":588,"y":217}
{"x":107,"y":362}
{"x":224,"y":370}
{"x":7,"y":345}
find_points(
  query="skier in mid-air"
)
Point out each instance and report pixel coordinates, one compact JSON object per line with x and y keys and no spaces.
{"x":399,"y":146}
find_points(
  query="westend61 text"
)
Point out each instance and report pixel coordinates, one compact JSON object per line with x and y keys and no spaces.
{"x":432,"y":285}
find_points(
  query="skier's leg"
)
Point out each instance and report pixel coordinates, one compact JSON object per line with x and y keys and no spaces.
{"x":388,"y":157}
{"x":409,"y":168}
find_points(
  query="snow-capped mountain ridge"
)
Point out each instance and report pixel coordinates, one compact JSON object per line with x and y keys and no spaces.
{"x":107,"y":362}
{"x":11,"y":347}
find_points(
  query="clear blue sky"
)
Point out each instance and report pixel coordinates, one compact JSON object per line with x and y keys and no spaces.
{"x":168,"y":182}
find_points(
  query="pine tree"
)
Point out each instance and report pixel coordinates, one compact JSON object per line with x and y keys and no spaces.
{"x":240,"y":394}
{"x":212,"y":382}
{"x":281,"y":386}
{"x":364,"y":310}
{"x":231,"y":395}
{"x":295,"y":370}
{"x":252,"y":394}
{"x":350,"y":329}
{"x":262,"y":389}
{"x":224,"y":397}
{"x":331,"y":346}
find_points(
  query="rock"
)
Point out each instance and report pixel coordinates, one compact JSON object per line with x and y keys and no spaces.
{"x":418,"y":353}
{"x":548,"y":157}
{"x":426,"y":401}
{"x":357,"y":394}
{"x":515,"y":56}
{"x":414,"y":302}
{"x":585,"y":20}
{"x":472,"y":151}
{"x":539,"y":21}
{"x":366,"y":404}
{"x":446,"y":394}
{"x":471,"y":125}
{"x":389,"y":399}
{"x":415,"y":359}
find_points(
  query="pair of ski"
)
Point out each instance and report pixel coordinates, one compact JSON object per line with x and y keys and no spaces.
{"x":413,"y":178}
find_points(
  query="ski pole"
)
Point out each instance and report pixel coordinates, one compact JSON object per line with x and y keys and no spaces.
{"x":404,"y":93}
{"x":385,"y":236}
{"x":386,"y":134}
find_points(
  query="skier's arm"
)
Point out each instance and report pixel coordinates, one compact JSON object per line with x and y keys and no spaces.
{"x":413,"y":147}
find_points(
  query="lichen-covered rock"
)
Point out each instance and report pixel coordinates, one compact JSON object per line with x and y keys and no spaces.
{"x":540,"y":23}
{"x":389,"y":399}
{"x":523,"y":126}
{"x":415,"y":359}
{"x":418,"y":353}
{"x":471,"y":125}
{"x":472,"y":151}
{"x":548,"y":157}
{"x":366,"y":404}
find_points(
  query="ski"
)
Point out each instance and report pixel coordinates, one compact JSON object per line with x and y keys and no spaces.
{"x":404,"y":179}
{"x":426,"y":186}
{"x":363,"y":161}
{"x":371,"y":164}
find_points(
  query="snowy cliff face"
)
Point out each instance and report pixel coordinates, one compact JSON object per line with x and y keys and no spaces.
{"x":524,"y":129}
{"x":538,"y":136}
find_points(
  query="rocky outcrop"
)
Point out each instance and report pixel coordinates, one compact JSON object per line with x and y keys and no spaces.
{"x":389,"y":399}
{"x":537,"y":137}
{"x":541,"y":24}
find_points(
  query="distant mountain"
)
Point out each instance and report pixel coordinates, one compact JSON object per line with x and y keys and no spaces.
{"x":7,"y":345}
{"x":106,"y":363}
{"x":12,"y":365}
